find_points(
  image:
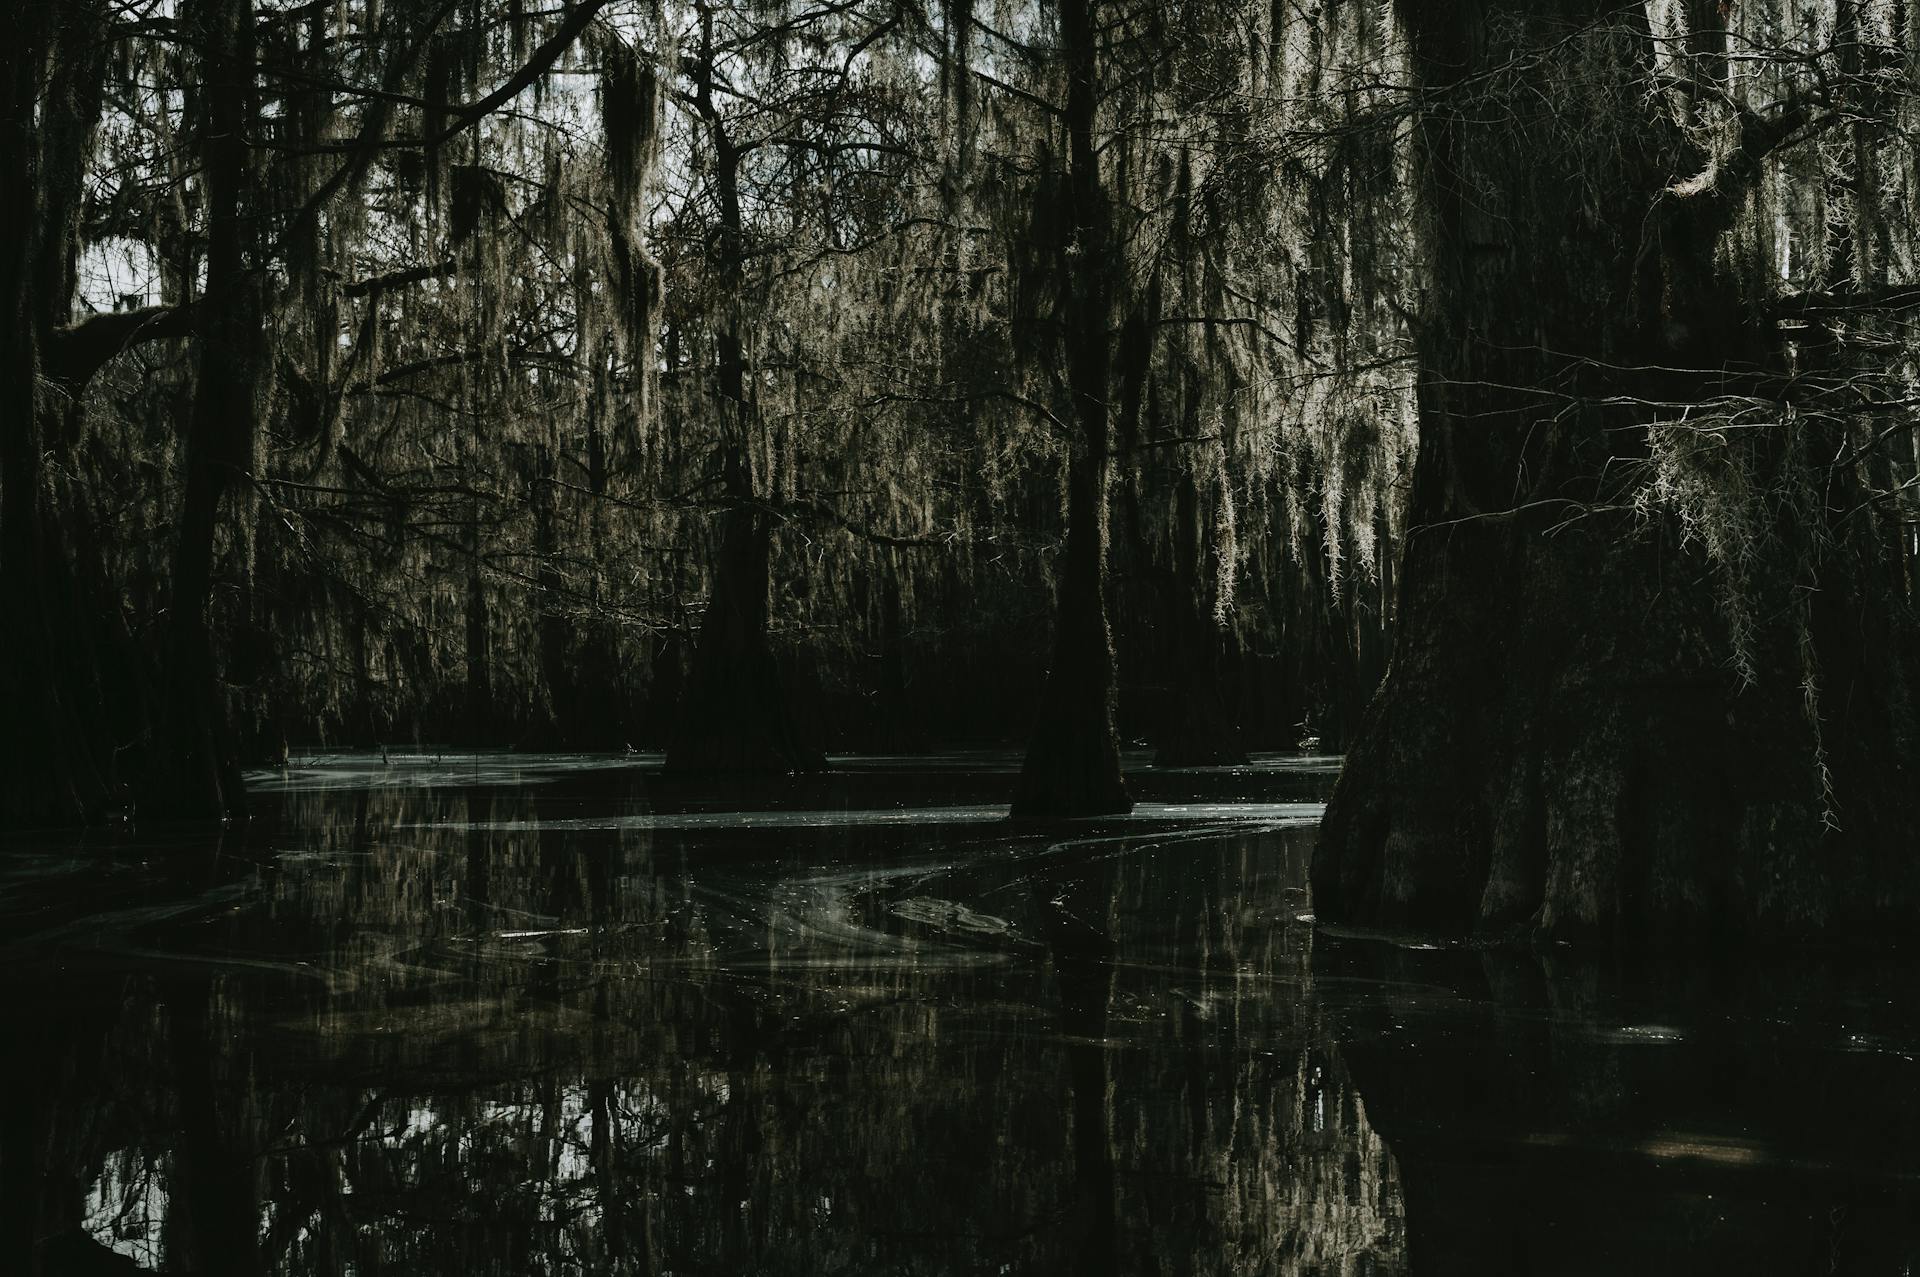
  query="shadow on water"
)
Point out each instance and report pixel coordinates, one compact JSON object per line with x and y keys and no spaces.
{"x":1655,"y":1114}
{"x":542,"y":1016}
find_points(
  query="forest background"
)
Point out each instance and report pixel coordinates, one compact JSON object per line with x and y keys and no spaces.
{"x":749,"y":378}
{"x":426,"y":372}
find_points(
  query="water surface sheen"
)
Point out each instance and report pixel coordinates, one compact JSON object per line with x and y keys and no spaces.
{"x":552,"y":1015}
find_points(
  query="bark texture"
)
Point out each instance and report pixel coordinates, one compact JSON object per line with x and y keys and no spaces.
{"x":62,"y":647}
{"x":1561,"y":746}
{"x":734,"y":716}
{"x":1072,"y":766}
{"x":1199,"y":729}
{"x":195,"y":770}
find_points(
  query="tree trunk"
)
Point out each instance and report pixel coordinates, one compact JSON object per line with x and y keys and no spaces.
{"x":735,"y":717}
{"x":607,"y":723}
{"x":569,"y":717}
{"x":201,"y":778}
{"x":480,"y":724}
{"x":57,"y":740}
{"x":200,"y":775}
{"x":898,"y":726}
{"x":57,"y":640}
{"x":1562,"y":746}
{"x":1198,"y":729}
{"x":1073,"y":760}
{"x":1072,"y":767}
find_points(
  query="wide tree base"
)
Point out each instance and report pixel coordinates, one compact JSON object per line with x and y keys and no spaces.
{"x":189,"y":767}
{"x":1562,"y":751}
{"x":735,"y":721}
{"x":1072,"y":771}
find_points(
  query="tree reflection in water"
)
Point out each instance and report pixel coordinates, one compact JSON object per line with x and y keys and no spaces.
{"x":500,"y":1030}
{"x":1647,"y":1112}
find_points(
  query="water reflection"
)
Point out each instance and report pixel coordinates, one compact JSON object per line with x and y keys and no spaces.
{"x":1754,"y":1113}
{"x":543,"y":1019}
{"x":519,"y":1029}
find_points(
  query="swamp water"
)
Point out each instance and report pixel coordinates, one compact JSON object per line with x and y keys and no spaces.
{"x":525,"y":1015}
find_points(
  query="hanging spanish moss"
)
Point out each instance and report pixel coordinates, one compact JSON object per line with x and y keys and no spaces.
{"x":754,"y":379}
{"x":1021,"y":636}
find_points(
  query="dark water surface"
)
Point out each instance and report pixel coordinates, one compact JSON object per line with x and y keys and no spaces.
{"x":548,"y":1015}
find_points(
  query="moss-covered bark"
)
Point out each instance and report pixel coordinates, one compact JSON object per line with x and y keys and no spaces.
{"x":62,"y":647}
{"x":1563,"y":745}
{"x":1073,"y":757}
{"x":194,"y":765}
{"x":734,"y":716}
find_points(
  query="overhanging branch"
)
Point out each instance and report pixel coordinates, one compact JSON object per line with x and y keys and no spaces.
{"x":75,"y":352}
